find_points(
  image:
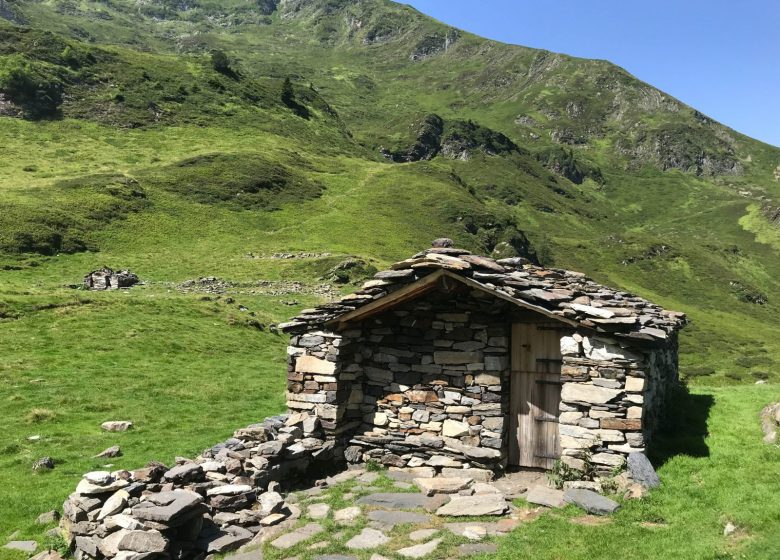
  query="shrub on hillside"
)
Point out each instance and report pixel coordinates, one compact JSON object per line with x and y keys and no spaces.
{"x":32,"y":86}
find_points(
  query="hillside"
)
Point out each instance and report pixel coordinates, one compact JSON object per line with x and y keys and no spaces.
{"x":288,"y":148}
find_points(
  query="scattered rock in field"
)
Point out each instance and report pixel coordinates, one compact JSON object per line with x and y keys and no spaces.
{"x":117,"y":425}
{"x":591,"y":502}
{"x":544,"y":496}
{"x":770,"y":422}
{"x":49,"y":517}
{"x":368,"y":538}
{"x":419,"y":550}
{"x":641,"y":470}
{"x":113,"y":451}
{"x":34,"y":438}
{"x":729,"y":529}
{"x":24,"y":546}
{"x":43,"y":464}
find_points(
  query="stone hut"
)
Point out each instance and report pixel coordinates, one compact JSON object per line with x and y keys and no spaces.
{"x":107,"y":279}
{"x":458,"y":361}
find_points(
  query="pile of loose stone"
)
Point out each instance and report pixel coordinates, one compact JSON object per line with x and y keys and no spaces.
{"x":212,"y":504}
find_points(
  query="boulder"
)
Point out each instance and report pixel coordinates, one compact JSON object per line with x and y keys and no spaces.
{"x":641,"y":470}
{"x":117,"y":425}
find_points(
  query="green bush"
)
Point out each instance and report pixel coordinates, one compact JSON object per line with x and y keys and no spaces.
{"x":32,"y":86}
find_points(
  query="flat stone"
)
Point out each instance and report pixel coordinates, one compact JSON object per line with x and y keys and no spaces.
{"x":368,"y":538}
{"x":419,"y":550}
{"x":346,"y":515}
{"x":117,"y":425}
{"x":472,"y":549}
{"x":185,"y":472}
{"x":408,"y":474}
{"x":485,"y":504}
{"x":24,"y":546}
{"x":229,"y":490}
{"x":310,"y":364}
{"x":583,"y":392}
{"x":402,"y":501}
{"x":318,"y":511}
{"x":226,"y":542}
{"x":453,"y":428}
{"x":143,"y":541}
{"x":87,"y":488}
{"x":114,"y":504}
{"x":177,"y":505}
{"x":545,"y":497}
{"x":335,"y":557}
{"x":422,"y":534}
{"x":442,"y":485}
{"x":299,"y":535}
{"x":393,"y":518}
{"x":109,"y":546}
{"x":641,"y":470}
{"x":481,"y":475}
{"x":591,"y":502}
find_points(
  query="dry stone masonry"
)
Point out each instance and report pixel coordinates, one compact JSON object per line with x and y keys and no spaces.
{"x":424,"y":380}
{"x":212,"y":504}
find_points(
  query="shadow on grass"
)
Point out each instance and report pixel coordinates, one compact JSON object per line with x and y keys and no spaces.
{"x":684,"y":427}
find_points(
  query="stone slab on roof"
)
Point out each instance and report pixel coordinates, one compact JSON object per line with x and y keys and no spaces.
{"x":568,"y":296}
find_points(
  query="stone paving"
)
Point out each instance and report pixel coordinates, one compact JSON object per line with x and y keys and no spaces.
{"x":360,"y":515}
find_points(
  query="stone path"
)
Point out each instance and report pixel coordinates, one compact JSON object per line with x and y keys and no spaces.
{"x":404,"y":514}
{"x":360,"y":515}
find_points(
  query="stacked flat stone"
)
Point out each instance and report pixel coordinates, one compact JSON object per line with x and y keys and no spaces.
{"x":570,"y":295}
{"x":425,"y":383}
{"x":212,"y":504}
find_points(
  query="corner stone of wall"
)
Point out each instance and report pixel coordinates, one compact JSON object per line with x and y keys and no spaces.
{"x":610,"y":399}
{"x":212,"y":504}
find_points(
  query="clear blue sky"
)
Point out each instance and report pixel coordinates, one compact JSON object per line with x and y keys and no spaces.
{"x":721,"y":57}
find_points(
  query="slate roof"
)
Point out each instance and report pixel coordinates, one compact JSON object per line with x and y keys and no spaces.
{"x":564,"y":294}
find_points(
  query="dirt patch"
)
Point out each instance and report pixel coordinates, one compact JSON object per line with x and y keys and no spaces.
{"x":590,"y":520}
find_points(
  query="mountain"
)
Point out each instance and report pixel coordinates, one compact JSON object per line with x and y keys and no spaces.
{"x":178,"y":137}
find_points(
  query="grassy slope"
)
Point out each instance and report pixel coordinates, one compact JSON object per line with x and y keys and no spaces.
{"x":379,"y":211}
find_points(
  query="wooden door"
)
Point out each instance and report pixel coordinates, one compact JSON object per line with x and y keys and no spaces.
{"x":535,"y":394}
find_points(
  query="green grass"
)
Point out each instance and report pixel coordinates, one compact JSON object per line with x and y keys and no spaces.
{"x":158,"y":163}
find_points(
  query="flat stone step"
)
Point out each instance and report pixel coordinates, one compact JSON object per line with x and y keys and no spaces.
{"x":484,"y":504}
{"x":392,"y":518}
{"x":544,"y":496}
{"x":404,"y":501}
{"x":292,"y":538}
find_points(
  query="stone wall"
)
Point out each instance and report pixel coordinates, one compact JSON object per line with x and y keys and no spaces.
{"x":427,"y":384}
{"x":611,"y":398}
{"x":212,"y":504}
{"x":434,"y":375}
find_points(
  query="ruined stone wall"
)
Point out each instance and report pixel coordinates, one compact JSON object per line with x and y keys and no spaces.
{"x":434,"y":377}
{"x":213,"y":504}
{"x":611,"y":399}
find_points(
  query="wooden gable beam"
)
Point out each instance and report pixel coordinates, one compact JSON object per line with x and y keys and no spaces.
{"x":428,"y":284}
